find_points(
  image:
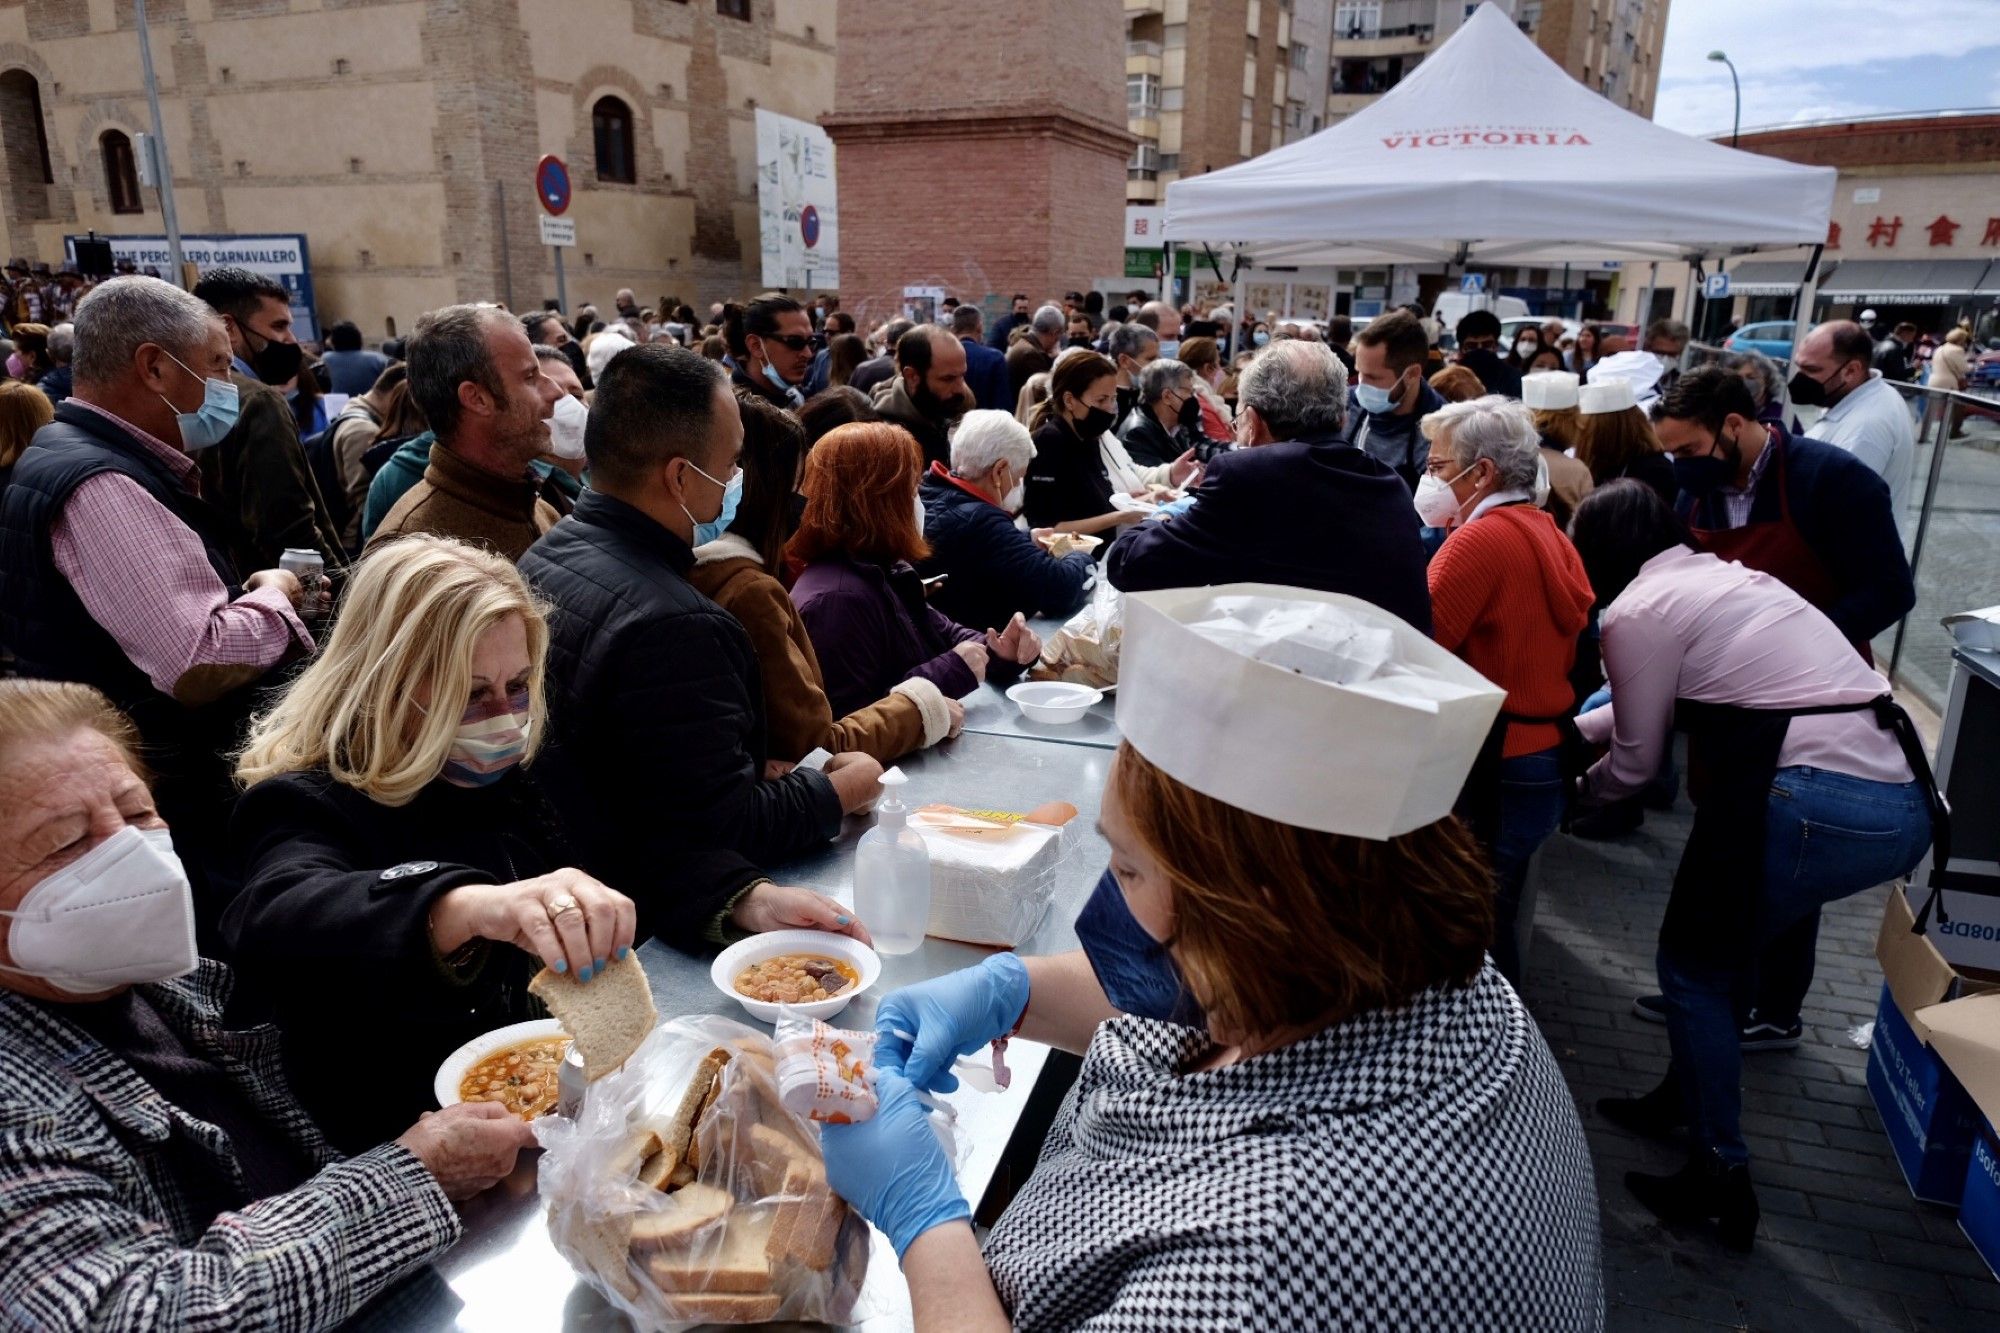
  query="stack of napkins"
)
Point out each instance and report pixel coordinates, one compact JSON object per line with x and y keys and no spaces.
{"x":991,"y":880}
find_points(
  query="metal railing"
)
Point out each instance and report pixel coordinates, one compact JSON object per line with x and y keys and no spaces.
{"x":1950,"y":523}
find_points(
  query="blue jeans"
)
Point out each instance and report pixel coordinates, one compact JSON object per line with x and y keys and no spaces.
{"x":1829,"y":836}
{"x":1531,"y":805}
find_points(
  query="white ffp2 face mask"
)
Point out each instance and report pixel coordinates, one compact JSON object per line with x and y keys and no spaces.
{"x":566,"y":425}
{"x":1436,"y":505}
{"x":122,"y":914}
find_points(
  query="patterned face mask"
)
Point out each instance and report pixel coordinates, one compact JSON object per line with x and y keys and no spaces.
{"x":491,"y":739}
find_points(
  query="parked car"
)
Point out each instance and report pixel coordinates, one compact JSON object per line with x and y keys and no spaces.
{"x":1773,"y":338}
{"x":1986,"y":368}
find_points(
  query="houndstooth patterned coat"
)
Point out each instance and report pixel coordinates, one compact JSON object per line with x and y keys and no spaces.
{"x":105,"y":1221}
{"x":1421,"y":1168}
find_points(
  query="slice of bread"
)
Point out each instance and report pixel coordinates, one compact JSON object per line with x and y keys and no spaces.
{"x":779,"y":1164}
{"x":602,"y":1247}
{"x":804,"y":1230}
{"x":608,"y":1016}
{"x":677,"y":1137}
{"x":734,"y":1261}
{"x":712,"y":1308}
{"x":688,"y":1210}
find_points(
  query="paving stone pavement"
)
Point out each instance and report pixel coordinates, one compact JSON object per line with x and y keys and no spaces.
{"x":1842,"y":1244}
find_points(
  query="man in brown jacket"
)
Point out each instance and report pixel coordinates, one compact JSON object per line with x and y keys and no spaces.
{"x":475,"y":375}
{"x":1035,"y":352}
{"x":258,"y":474}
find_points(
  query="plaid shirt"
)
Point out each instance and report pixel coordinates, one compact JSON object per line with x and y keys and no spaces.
{"x":95,"y":1232}
{"x":143,"y":576}
{"x":1737,"y":504}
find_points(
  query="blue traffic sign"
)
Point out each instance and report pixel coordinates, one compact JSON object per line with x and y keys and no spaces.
{"x":1472,"y":282}
{"x":809,"y":225}
{"x":552,"y":184}
{"x":1716,"y":287}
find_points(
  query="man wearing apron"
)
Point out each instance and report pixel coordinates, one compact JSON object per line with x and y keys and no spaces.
{"x":1818,"y":520}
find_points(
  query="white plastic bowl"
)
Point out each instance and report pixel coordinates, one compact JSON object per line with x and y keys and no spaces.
{"x":452,"y":1072}
{"x":1055,"y":702}
{"x":731,"y":961}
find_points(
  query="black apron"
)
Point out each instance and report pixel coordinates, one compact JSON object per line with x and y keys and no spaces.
{"x":1712,"y":911}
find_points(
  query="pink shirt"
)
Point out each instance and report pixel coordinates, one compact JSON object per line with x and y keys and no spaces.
{"x":1693,"y":626}
{"x":144,"y":576}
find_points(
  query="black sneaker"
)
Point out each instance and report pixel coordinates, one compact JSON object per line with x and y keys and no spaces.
{"x":1761,"y":1036}
{"x":1757,"y":1035}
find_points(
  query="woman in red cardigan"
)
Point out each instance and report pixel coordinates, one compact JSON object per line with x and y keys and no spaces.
{"x":1509,"y":595}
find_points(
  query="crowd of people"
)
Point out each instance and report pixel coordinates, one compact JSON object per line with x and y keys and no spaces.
{"x":589,"y":590}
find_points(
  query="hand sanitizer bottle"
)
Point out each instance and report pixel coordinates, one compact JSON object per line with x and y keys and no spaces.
{"x":892,"y":874}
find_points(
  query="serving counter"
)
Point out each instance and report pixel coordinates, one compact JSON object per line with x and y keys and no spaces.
{"x":505,"y":1275}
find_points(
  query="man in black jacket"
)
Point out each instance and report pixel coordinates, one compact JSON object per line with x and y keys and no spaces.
{"x":1390,"y":396}
{"x":655,"y":758}
{"x":1299,"y":509}
{"x":1166,"y":421}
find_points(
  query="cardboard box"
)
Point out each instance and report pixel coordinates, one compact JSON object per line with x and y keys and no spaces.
{"x":1965,"y":1033}
{"x":1970,"y":941}
{"x":1928,"y":1114}
{"x":1979,"y":1212}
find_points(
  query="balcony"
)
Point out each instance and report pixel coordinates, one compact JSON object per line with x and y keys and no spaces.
{"x":1140,"y":8}
{"x":1411,"y":39}
{"x":1340,"y":105}
{"x":1144,"y":123}
{"x":1142,"y":187}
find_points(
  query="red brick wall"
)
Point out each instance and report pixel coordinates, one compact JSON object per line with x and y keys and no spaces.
{"x":1958,"y":140}
{"x":980,"y":148}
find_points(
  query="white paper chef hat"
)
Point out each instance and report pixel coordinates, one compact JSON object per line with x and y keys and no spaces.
{"x":1314,"y":709}
{"x":1641,"y":370}
{"x":1549,"y":389}
{"x":1605,"y":396}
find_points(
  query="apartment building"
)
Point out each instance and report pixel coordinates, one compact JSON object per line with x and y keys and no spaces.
{"x":1209,"y":83}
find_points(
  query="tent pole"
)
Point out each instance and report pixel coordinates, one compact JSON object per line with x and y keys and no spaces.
{"x":1802,"y":303}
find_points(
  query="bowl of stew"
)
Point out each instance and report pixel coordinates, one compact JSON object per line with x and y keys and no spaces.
{"x":517,"y":1066}
{"x":810,"y":973}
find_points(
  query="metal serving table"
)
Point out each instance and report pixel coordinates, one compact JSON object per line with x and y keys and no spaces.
{"x":505,"y":1275}
{"x":989,"y":712}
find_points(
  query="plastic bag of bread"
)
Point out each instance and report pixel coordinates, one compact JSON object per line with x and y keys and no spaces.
{"x":686,"y":1193}
{"x":1085,"y":650}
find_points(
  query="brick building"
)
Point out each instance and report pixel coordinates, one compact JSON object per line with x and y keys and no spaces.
{"x":1915,"y":229}
{"x":400,"y":136}
{"x":980,"y":147}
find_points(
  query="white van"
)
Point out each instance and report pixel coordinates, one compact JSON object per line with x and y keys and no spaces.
{"x":1454,"y":306}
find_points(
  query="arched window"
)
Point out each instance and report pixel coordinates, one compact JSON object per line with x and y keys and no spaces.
{"x":121,"y":172}
{"x":25,"y":171}
{"x":611,"y":120}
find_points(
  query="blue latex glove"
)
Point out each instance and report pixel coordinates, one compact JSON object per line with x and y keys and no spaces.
{"x":1177,"y":507}
{"x":949,"y":1016}
{"x":892,"y":1168}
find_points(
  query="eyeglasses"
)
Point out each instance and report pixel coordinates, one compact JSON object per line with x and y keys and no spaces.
{"x":798,"y":342}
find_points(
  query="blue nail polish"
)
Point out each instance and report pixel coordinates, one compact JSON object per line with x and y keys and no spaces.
{"x":585,"y":973}
{"x":623,"y":951}
{"x":598,"y":967}
{"x":842,"y":920}
{"x":562,"y":964}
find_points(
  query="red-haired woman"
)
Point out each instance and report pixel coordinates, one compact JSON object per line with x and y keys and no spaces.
{"x":858,"y":591}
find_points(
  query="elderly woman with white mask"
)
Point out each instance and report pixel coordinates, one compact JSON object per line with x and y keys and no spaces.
{"x":1304,"y":1087}
{"x":155,"y":1170}
{"x":995,"y":569}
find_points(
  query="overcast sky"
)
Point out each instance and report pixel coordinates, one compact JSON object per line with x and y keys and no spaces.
{"x":1822,"y":59}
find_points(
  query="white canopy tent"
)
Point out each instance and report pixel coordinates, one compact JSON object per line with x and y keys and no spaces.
{"x":1489,"y":153}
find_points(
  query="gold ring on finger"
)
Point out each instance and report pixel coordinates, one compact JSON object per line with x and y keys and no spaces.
{"x":562,"y":903}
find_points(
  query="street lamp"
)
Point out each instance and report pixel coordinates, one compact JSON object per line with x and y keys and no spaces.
{"x":1736,"y":122}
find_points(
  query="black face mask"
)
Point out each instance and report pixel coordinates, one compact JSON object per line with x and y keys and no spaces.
{"x":1190,"y":413}
{"x":1809,"y":392}
{"x":274,"y":362}
{"x":1077,"y":340}
{"x":1095,"y":422}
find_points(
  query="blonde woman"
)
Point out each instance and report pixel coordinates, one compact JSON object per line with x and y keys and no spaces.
{"x":402,"y":877}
